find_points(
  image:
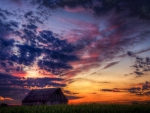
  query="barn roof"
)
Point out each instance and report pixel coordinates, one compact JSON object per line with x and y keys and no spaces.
{"x":39,"y":95}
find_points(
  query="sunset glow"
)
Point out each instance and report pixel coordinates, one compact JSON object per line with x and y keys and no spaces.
{"x":94,"y":50}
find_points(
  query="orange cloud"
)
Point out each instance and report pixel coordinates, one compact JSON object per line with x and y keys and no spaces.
{"x":7,"y":98}
{"x":109,"y":97}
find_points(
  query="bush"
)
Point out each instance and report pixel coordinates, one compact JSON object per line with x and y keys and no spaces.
{"x":148,"y":102}
{"x":135,"y":102}
{"x":3,"y":105}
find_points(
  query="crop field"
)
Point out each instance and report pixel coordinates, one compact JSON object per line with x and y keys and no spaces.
{"x":81,"y":108}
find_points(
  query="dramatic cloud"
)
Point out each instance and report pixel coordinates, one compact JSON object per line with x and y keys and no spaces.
{"x":9,"y":85}
{"x":109,"y":42}
{"x":54,"y":53}
{"x":144,"y":90}
{"x":101,"y":7}
{"x":71,"y":95}
{"x":133,"y":8}
{"x":45,"y":43}
{"x":141,"y":66}
{"x":9,"y":80}
{"x":2,"y":98}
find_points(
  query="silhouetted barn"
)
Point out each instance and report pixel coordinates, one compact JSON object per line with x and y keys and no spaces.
{"x":49,"y":96}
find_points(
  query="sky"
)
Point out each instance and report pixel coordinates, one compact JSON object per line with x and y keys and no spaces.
{"x":94,"y":50}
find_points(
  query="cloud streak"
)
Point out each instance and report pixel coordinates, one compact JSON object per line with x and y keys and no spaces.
{"x":2,"y":98}
{"x":144,"y":90}
{"x":141,"y":65}
{"x":110,"y":64}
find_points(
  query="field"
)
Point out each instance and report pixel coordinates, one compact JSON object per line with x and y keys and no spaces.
{"x":81,"y":108}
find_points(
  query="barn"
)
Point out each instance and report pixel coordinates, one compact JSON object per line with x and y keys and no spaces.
{"x":50,"y":96}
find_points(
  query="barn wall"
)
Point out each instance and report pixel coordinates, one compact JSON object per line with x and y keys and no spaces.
{"x":57,"y":98}
{"x":53,"y":100}
{"x":32,"y":103}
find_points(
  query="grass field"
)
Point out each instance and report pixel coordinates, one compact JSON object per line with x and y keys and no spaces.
{"x":81,"y":108}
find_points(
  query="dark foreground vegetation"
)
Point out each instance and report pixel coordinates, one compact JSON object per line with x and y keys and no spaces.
{"x":81,"y":108}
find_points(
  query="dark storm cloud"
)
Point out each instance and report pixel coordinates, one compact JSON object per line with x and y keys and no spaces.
{"x":10,"y":80}
{"x":141,"y":65}
{"x":62,"y":46}
{"x":14,"y":93}
{"x":57,"y":59}
{"x":27,"y":54}
{"x":57,"y":52}
{"x":138,"y":8}
{"x":69,"y":92}
{"x":29,"y":36}
{"x":33,"y":18}
{"x":6,"y":76}
{"x":144,"y":90}
{"x":6,"y":44}
{"x":54,"y":67}
{"x":134,"y":54}
{"x":73,"y":97}
{"x":28,"y":14}
{"x":4,"y":14}
{"x":55,"y":55}
{"x":17,"y":87}
{"x":5,"y":51}
{"x":54,"y":60}
{"x":7,"y":27}
{"x":74,"y":3}
{"x":14,"y":24}
{"x":120,"y":34}
{"x":8,"y":56}
{"x":134,"y":89}
{"x":31,"y":27}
